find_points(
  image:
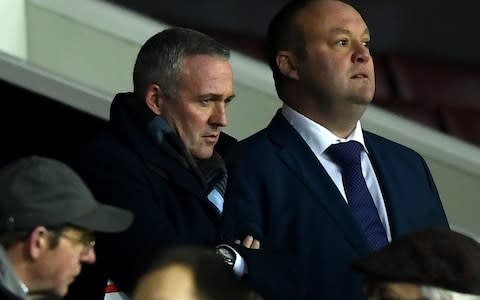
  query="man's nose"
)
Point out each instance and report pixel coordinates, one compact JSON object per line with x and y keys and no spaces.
{"x":89,"y":256}
{"x":361,"y":53}
{"x":219,"y":115}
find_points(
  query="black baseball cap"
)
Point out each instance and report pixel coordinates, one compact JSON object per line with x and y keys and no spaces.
{"x":40,"y":191}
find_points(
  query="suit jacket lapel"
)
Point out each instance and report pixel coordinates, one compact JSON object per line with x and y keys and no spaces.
{"x":389,"y":174}
{"x":296,"y":154}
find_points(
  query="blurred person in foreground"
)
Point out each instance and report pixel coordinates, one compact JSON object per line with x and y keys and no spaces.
{"x":192,"y":273}
{"x":430,"y":264}
{"x":48,"y":218}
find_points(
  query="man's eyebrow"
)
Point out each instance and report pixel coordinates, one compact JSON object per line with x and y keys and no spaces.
{"x":338,"y":30}
{"x":215,"y":96}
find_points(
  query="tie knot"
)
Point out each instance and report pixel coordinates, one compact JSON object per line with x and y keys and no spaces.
{"x":345,"y":154}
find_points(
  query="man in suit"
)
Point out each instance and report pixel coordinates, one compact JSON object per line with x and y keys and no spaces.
{"x":287,"y":188}
{"x":157,"y":157}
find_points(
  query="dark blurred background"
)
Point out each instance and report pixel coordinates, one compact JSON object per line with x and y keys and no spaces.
{"x":436,"y":28}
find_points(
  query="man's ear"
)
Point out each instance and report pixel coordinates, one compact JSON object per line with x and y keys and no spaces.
{"x":287,"y":64}
{"x":37,"y":242}
{"x":154,"y":98}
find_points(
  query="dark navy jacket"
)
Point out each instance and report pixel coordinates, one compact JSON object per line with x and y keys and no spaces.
{"x":125,"y":168}
{"x":281,"y":193}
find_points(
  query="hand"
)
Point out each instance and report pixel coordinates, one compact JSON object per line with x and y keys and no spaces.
{"x":249,"y":242}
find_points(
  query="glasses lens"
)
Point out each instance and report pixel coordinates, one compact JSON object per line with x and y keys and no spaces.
{"x":86,"y":240}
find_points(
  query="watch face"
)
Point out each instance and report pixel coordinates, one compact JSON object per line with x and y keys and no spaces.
{"x":227,"y":254}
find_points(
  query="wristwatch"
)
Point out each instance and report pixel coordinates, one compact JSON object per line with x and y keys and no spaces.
{"x":227,"y":254}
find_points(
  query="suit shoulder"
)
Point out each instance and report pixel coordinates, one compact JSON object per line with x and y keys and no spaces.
{"x":255,"y":139}
{"x":385,"y":144}
{"x":248,"y":147}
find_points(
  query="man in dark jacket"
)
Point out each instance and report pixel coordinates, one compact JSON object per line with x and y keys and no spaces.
{"x":157,"y":157}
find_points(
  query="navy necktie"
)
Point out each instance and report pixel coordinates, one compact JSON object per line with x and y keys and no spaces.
{"x":360,"y":201}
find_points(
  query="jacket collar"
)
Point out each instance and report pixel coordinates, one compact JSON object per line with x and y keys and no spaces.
{"x":8,"y":280}
{"x":130,"y":119}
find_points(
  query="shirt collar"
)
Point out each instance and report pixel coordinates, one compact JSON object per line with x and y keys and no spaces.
{"x":23,"y":286}
{"x":315,"y":134}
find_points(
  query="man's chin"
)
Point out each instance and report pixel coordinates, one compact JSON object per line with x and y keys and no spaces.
{"x":49,"y":294}
{"x":204,"y":153}
{"x":361,"y":100}
{"x":363,"y":96}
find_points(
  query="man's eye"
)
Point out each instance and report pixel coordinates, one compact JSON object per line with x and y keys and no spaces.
{"x":228,"y":100}
{"x":205,"y":101}
{"x":343,"y":42}
{"x":366,"y":44}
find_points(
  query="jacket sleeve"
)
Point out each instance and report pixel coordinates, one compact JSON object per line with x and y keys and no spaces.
{"x":274,"y":272}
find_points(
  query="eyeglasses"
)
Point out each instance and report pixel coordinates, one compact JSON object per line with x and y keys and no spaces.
{"x":86,"y":240}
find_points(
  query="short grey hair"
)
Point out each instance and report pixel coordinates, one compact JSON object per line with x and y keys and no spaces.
{"x":160,"y":59}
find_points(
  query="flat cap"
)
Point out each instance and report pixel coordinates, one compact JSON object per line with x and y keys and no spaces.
{"x":436,"y":257}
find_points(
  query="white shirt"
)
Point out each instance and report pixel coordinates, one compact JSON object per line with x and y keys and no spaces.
{"x":319,"y":138}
